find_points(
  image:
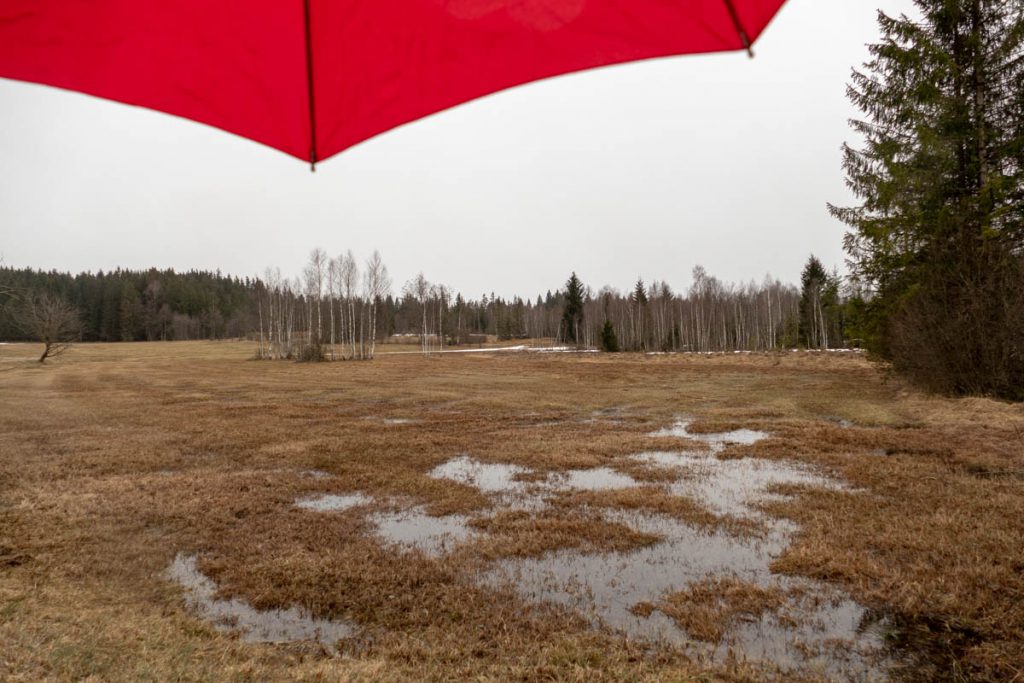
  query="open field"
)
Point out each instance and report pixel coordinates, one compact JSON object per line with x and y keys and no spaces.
{"x":732,"y":517}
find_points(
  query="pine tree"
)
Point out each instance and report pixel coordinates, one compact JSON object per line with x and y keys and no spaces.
{"x":939,"y":236}
{"x":572,"y":314}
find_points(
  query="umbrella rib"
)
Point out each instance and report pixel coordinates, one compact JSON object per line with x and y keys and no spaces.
{"x":309,"y":86}
{"x":744,"y":38}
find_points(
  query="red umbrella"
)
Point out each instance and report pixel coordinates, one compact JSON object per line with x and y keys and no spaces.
{"x":314,"y":77}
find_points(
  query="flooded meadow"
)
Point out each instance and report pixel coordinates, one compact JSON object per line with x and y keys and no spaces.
{"x":731,"y":518}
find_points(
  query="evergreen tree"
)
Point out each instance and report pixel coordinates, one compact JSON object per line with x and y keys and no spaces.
{"x":609,"y":342}
{"x":639,"y":318}
{"x":818,"y":326}
{"x":572,"y":314}
{"x":640,"y":293}
{"x":939,"y":236}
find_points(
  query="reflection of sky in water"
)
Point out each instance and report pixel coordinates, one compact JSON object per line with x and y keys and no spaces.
{"x":333,"y":503}
{"x":254,"y":626}
{"x":818,"y":630}
{"x":415,"y":529}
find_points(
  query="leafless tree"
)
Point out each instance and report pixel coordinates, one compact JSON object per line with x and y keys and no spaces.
{"x":333,"y":283}
{"x":51,"y":320}
{"x":377,"y":286}
{"x":349,"y":272}
{"x":315,"y":273}
{"x":441,"y":293}
{"x":418,"y":289}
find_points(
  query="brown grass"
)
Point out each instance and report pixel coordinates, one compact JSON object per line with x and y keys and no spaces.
{"x":518,"y":533}
{"x":116,"y":457}
{"x":707,"y":608}
{"x":657,"y":500}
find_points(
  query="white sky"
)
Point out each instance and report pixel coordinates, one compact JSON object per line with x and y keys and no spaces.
{"x":642,"y":169}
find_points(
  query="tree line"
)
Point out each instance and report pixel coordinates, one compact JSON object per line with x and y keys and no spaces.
{"x":128,"y":305}
{"x":710,"y":316}
{"x":341,"y":308}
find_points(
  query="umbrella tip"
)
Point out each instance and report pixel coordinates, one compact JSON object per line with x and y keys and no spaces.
{"x":312,"y":167}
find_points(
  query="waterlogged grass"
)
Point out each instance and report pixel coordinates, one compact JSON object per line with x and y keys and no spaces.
{"x":116,"y":459}
{"x":708,"y":607}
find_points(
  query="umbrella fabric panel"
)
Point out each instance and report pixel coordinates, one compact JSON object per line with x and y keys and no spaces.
{"x":375,"y":64}
{"x":239,"y":65}
{"x":383,"y":63}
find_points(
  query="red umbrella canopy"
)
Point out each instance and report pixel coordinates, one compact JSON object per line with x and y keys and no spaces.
{"x":314,"y":77}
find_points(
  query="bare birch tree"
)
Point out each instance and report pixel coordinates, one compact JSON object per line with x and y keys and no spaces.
{"x":349,"y":271}
{"x":377,"y":286}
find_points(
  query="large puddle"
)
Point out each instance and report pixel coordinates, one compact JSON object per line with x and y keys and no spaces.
{"x":813,"y":629}
{"x":818,"y":629}
{"x":807,"y":627}
{"x":253,"y":625}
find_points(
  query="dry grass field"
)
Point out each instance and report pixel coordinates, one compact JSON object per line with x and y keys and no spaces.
{"x":505,"y":516}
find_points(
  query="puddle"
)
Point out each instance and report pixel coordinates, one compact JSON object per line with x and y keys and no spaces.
{"x":254,"y":626}
{"x":414,"y":529}
{"x":410,"y":528}
{"x":519,"y":488}
{"x":611,"y":415}
{"x":316,"y":474}
{"x":606,"y":586}
{"x":817,"y":630}
{"x":715,"y":442}
{"x":596,"y":479}
{"x":399,"y":421}
{"x":488,"y":477}
{"x":330,"y":502}
{"x":734,"y":486}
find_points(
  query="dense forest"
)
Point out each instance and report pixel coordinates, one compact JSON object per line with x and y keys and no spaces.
{"x":340,"y":309}
{"x":125,"y":305}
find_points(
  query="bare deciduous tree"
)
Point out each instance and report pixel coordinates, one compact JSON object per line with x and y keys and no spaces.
{"x":378,"y":284}
{"x":51,"y":320}
{"x":349,"y":272}
{"x":333,"y":282}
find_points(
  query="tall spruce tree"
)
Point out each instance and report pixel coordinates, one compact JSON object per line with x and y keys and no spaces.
{"x":819,"y":303}
{"x":572,"y":314}
{"x":939,"y":236}
{"x":639,"y":301}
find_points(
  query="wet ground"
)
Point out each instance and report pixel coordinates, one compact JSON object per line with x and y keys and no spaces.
{"x":253,"y":625}
{"x":813,"y":629}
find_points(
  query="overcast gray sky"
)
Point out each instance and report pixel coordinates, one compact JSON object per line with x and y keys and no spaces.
{"x":642,"y":169}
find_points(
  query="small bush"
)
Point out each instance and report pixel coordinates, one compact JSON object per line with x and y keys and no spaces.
{"x":311,"y":353}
